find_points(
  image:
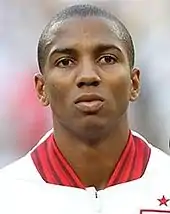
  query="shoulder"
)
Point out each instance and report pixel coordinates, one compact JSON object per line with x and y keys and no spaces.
{"x":24,"y":168}
{"x":159,"y":162}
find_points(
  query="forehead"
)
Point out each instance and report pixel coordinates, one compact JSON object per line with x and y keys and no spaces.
{"x":87,"y":32}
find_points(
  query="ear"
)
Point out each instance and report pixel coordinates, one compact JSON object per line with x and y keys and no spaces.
{"x":40,"y":89}
{"x":135,"y":84}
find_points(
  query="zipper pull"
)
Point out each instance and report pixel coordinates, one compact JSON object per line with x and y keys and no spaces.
{"x":95,"y":199}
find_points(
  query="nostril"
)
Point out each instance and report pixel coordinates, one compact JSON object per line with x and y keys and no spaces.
{"x":95,"y":83}
{"x":80,"y":84}
{"x":88,"y":83}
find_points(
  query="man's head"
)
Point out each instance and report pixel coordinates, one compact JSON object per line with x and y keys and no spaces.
{"x":82,"y":11}
{"x":86,"y":59}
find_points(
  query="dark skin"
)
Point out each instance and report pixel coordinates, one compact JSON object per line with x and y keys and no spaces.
{"x":86,"y":57}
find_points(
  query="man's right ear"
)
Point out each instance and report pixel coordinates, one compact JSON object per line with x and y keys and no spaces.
{"x":40,"y":89}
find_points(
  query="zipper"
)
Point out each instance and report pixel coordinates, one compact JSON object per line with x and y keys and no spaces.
{"x":95,"y":198}
{"x":97,"y":202}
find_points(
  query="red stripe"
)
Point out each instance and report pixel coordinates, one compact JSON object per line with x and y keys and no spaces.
{"x":52,"y":175}
{"x":137,"y":165}
{"x":132,"y":163}
{"x":71,"y":175}
{"x":57,"y":166}
{"x":124,"y":176}
{"x":41,"y":163}
{"x":38,"y":165}
{"x":121,"y":164}
{"x":52,"y":166}
{"x":147,"y":156}
{"x":130,"y":177}
{"x":141,"y":158}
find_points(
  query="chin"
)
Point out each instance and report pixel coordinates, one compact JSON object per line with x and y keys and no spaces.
{"x":92,"y":125}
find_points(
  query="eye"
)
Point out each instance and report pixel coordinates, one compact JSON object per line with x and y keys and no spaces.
{"x":107,"y":60}
{"x":64,"y":63}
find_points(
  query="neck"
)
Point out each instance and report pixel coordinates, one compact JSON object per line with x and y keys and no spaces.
{"x":93,"y":163}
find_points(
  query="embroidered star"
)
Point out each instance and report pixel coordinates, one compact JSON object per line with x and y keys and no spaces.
{"x":163,"y":201}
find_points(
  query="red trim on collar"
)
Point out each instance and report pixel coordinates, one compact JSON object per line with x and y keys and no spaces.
{"x":54,"y":168}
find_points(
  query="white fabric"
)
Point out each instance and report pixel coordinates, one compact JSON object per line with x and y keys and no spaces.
{"x":22,"y":191}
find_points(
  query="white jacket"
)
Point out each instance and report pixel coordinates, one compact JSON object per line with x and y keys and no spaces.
{"x":23,"y":191}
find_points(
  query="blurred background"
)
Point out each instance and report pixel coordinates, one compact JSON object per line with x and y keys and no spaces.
{"x":23,"y":120}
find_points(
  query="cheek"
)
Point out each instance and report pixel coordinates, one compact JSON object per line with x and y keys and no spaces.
{"x":58,"y":85}
{"x":120,"y":84}
{"x":56,"y":93}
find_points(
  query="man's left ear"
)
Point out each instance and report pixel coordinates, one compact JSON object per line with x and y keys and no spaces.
{"x":135,"y":84}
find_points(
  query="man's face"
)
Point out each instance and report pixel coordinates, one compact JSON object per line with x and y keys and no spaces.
{"x":87,"y":79}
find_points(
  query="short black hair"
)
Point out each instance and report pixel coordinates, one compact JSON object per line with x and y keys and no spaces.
{"x":84,"y":10}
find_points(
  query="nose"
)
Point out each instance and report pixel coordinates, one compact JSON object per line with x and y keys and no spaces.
{"x":88,"y":76}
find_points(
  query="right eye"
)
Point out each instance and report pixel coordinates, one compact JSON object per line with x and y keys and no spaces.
{"x":64,"y":63}
{"x":107,"y":60}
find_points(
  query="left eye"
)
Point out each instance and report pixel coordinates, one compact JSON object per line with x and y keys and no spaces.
{"x":64,"y":63}
{"x":104,"y":60}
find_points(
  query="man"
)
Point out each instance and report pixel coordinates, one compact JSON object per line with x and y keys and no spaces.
{"x":90,"y":162}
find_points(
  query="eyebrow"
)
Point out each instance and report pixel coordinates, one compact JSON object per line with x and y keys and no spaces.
{"x":68,"y":51}
{"x":105,"y":47}
{"x":98,"y":48}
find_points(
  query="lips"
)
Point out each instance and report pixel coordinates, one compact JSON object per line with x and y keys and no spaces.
{"x":89,"y":103}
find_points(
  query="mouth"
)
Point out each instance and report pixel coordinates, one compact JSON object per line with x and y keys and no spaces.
{"x":89,"y":103}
